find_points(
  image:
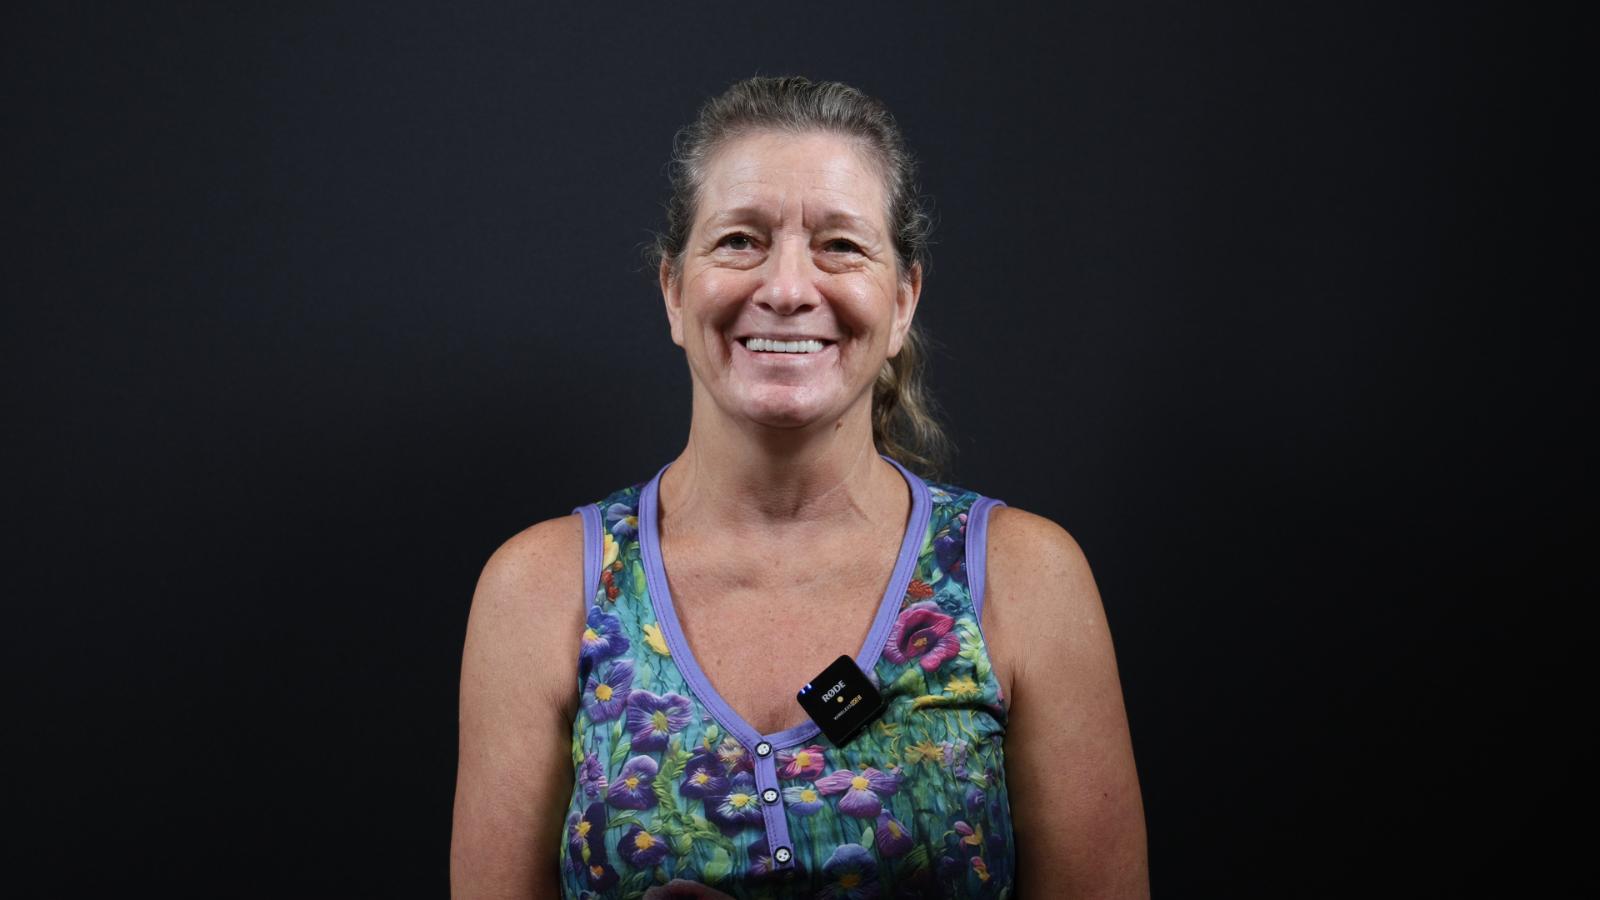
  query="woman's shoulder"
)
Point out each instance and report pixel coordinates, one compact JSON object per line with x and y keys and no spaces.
{"x":1017,"y":535}
{"x":543,"y":563}
{"x":1020,"y":536}
{"x":1026,"y":546}
{"x":547,"y":547}
{"x":527,"y":609}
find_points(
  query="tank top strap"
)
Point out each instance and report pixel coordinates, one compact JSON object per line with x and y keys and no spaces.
{"x":977,"y":551}
{"x":593,"y":549}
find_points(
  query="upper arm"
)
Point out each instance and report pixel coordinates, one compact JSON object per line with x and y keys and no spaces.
{"x":1080,"y":829}
{"x":518,"y":695}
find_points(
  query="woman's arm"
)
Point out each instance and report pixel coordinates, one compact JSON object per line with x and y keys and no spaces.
{"x":1076,"y":809}
{"x":518,"y":697}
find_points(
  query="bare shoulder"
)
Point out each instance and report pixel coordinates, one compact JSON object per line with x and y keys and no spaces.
{"x":528,"y":603}
{"x":518,"y":695}
{"x":1017,"y":536}
{"x":1037,"y":574}
{"x":1047,"y":631}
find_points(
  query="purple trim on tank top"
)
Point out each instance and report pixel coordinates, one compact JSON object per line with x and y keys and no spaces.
{"x":978,"y":552}
{"x":888,"y":607}
{"x":977,"y":556}
{"x":593,"y":542}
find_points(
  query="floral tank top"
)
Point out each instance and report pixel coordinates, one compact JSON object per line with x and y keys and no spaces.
{"x":670,"y":783}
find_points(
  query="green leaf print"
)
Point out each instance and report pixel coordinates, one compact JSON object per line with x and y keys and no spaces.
{"x":682,"y":844}
{"x":980,"y":666}
{"x":636,"y":579}
{"x":866,"y":837}
{"x":634,"y":885}
{"x":972,"y":649}
{"x":912,"y":683}
{"x":663,"y":791}
{"x":916,"y":859}
{"x":620,"y":752}
{"x":718,"y":867}
{"x":672,"y":764}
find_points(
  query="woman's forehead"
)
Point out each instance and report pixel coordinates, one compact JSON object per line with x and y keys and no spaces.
{"x":772,"y":175}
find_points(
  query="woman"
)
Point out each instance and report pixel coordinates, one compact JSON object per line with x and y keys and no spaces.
{"x":628,"y":700}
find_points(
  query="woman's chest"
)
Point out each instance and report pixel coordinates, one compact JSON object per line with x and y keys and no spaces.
{"x":758,"y":637}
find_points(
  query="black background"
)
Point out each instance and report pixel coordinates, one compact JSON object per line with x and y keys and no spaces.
{"x":308,"y":310}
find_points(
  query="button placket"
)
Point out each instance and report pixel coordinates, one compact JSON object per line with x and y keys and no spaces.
{"x":772,"y":808}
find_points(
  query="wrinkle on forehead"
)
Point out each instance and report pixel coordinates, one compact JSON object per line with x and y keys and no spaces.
{"x":749,"y":179}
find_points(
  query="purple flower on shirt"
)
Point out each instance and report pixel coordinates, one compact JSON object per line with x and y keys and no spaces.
{"x":803,"y":800}
{"x":602,"y":639}
{"x":861,"y":792}
{"x":703,"y":776}
{"x":949,"y":869}
{"x":605,"y":698}
{"x":641,"y":848}
{"x":591,"y":775}
{"x":924,"y":633}
{"x":954,"y":754}
{"x":892,"y":838}
{"x":632,"y":789}
{"x":761,"y":861}
{"x":622,"y":520}
{"x":602,"y":877}
{"x":950,"y":546}
{"x":806,"y":763}
{"x":585,"y":835}
{"x":574,"y":841}
{"x":652,"y":718}
{"x":739,"y":808}
{"x":852,"y":874}
{"x":974,"y":800}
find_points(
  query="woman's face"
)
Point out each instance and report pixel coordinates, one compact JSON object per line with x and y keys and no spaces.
{"x":790,"y":242}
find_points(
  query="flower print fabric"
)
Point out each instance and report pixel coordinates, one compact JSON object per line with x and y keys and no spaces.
{"x":664,"y":789}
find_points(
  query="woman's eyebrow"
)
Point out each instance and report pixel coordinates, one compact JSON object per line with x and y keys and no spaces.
{"x":737,"y":214}
{"x":832,"y":218}
{"x":846,"y":219}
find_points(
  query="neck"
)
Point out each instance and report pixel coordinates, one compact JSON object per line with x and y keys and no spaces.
{"x":733,"y":476}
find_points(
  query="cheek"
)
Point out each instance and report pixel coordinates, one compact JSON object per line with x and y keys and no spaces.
{"x":717,"y":289}
{"x":862,"y":307}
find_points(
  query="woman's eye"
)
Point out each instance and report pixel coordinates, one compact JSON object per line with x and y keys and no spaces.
{"x":843,"y":245}
{"x":737,"y":242}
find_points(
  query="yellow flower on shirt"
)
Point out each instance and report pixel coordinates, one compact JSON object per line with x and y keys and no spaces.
{"x":654,"y":639}
{"x":961,"y":687}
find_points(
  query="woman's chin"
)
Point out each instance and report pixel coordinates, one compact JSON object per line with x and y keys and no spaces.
{"x":789,"y":413}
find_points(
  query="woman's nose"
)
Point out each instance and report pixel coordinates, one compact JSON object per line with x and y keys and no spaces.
{"x":790,"y":282}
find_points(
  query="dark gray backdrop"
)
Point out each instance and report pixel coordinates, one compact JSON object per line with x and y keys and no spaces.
{"x":309,"y":309}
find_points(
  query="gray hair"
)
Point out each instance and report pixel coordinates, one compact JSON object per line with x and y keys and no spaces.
{"x":904,"y":424}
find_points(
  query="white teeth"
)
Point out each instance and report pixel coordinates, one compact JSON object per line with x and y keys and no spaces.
{"x":763,"y":345}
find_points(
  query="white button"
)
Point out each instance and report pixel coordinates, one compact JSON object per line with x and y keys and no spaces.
{"x":763,"y":749}
{"x":782,"y":855}
{"x":770,"y":795}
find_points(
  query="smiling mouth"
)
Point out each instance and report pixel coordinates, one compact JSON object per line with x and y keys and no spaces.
{"x":763,"y":345}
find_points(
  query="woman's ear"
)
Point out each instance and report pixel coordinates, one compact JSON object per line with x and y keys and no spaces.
{"x":905,"y":306}
{"x":673,"y":299}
